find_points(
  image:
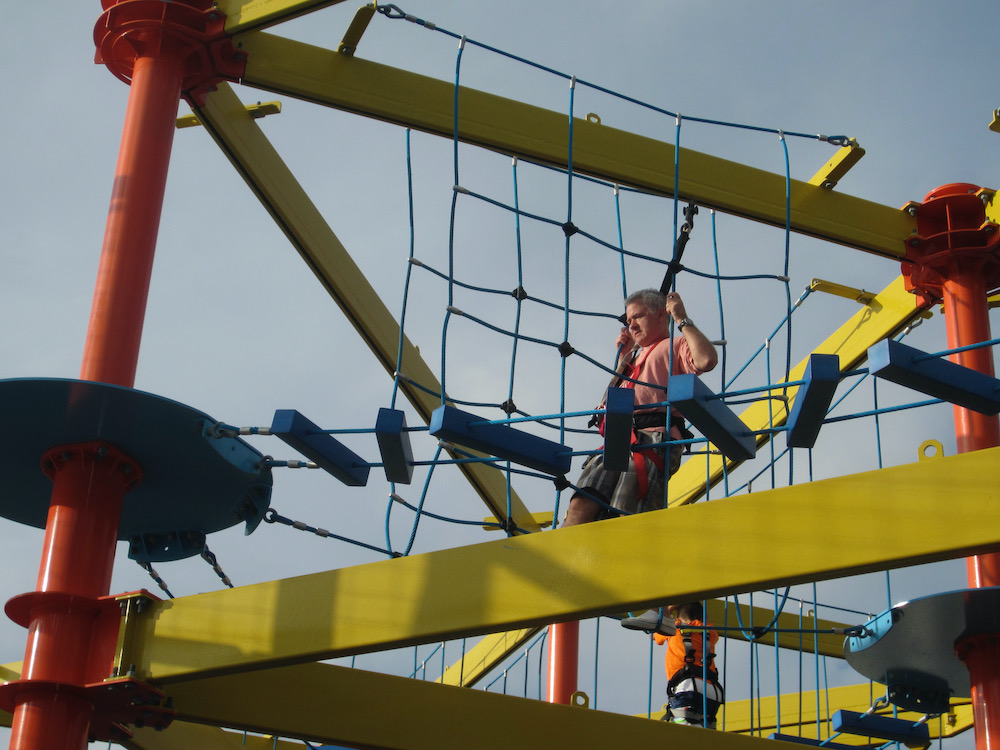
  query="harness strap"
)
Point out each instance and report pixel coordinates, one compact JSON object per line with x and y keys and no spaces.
{"x":640,"y":455}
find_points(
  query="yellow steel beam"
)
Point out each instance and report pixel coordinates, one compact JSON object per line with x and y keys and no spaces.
{"x":788,"y":625}
{"x":364,"y":87}
{"x":247,"y":15}
{"x":889,"y":312}
{"x":228,"y":122}
{"x":756,"y":541}
{"x":481,"y":659}
{"x":181,"y":735}
{"x":799,"y":713}
{"x":329,"y":704}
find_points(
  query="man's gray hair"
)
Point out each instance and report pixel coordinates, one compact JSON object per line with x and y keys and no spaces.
{"x":651,"y":299}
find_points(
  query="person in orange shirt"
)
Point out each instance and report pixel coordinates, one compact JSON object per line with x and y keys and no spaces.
{"x":694,"y":692}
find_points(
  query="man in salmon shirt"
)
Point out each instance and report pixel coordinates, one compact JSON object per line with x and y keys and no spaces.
{"x":646,"y":354}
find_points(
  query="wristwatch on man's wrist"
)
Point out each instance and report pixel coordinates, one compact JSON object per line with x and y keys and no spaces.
{"x":684,"y":322}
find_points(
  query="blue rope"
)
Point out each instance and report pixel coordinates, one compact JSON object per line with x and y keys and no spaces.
{"x":394,"y":12}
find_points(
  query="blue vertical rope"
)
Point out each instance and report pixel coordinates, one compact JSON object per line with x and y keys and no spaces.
{"x":597,"y":651}
{"x":649,"y":690}
{"x":451,"y":224}
{"x":409,"y":270}
{"x":566,"y":268}
{"x":621,"y":240}
{"x":722,"y":335}
{"x":517,"y":316}
{"x":787,"y":283}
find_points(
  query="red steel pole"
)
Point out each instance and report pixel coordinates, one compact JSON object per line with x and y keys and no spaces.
{"x":967,"y":320}
{"x":88,"y":489}
{"x":112,"y":349}
{"x":564,"y":646}
{"x":955,"y":257}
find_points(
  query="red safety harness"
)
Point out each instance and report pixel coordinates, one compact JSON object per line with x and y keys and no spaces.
{"x":642,"y":453}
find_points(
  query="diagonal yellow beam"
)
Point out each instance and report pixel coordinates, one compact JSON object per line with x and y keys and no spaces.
{"x":485,"y":656}
{"x":493,"y":649}
{"x":235,"y":131}
{"x":423,"y":103}
{"x":329,"y":704}
{"x":248,"y":15}
{"x":888,"y":313}
{"x":757,"y":541}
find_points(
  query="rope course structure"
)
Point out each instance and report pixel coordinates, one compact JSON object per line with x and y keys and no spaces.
{"x":526,"y":226}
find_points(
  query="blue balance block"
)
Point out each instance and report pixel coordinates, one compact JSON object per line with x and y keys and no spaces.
{"x":472,"y":431}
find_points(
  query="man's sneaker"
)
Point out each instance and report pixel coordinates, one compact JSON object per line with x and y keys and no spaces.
{"x":652,"y":621}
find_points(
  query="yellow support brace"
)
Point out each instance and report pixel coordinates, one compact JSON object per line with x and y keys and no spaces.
{"x":352,"y":37}
{"x":227,"y":121}
{"x":757,"y":541}
{"x":839,"y":290}
{"x":355,"y":85}
{"x":256,"y":111}
{"x":839,"y":165}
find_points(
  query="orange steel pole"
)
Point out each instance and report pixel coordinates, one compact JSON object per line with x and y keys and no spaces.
{"x":51,"y":712}
{"x":112,"y":349}
{"x":564,"y":645}
{"x":954,"y":258}
{"x":967,"y":320}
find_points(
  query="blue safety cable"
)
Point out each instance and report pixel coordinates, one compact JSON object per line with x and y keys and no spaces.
{"x":754,"y":665}
{"x":725,"y":660}
{"x":770,"y":413}
{"x":777,"y":663}
{"x":597,"y":651}
{"x":420,"y":505}
{"x":723,"y":358}
{"x":517,"y":321}
{"x":788,"y":289}
{"x":766,"y":343}
{"x":621,"y":239}
{"x":509,"y":293}
{"x":568,"y":230}
{"x":649,"y":688}
{"x":815,"y":602}
{"x":395,"y":13}
{"x":673,"y":250}
{"x":451,"y":223}
{"x":801,"y":655}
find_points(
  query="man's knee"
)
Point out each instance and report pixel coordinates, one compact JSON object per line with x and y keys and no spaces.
{"x":581,"y":510}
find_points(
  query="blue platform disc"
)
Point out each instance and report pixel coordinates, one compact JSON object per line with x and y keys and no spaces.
{"x":192,"y":485}
{"x":910,"y":648}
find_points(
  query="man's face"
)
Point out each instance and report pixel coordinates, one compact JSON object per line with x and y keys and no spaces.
{"x":646,"y":326}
